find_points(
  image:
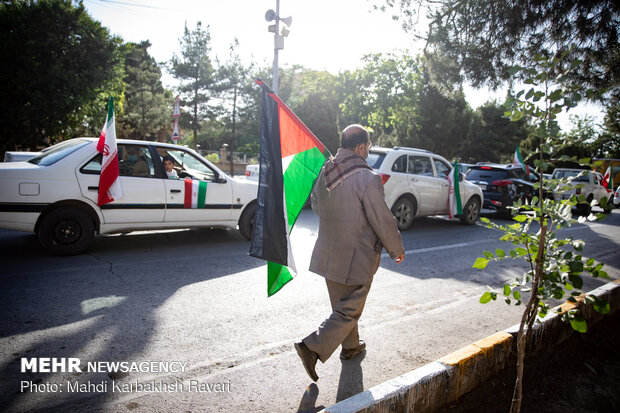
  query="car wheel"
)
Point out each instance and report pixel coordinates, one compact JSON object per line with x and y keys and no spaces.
{"x":586,"y":207}
{"x":404,"y":211}
{"x":471,"y":212}
{"x":66,"y":231}
{"x":246,"y":222}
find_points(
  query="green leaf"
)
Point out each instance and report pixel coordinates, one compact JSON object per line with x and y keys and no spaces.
{"x":579,"y":324}
{"x":500,"y":253}
{"x":520,"y":218}
{"x":576,"y":267}
{"x":516,"y":294}
{"x":488,"y":254}
{"x":506,"y":290}
{"x":576,"y":280}
{"x":486,"y":297}
{"x":513,"y":253}
{"x":481,"y":263}
{"x":521,"y":251}
{"x":485,"y":220}
{"x":601,"y":306}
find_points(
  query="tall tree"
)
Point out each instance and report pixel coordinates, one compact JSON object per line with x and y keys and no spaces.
{"x":147,"y":108}
{"x":482,"y":38}
{"x":236,"y":88}
{"x":495,"y":137}
{"x":59,"y":66}
{"x":384,"y":94}
{"x":196,"y":74}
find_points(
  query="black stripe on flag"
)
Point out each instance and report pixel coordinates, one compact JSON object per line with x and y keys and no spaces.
{"x":269,"y":236}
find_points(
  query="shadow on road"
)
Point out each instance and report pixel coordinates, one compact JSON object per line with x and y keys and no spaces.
{"x":106,"y":304}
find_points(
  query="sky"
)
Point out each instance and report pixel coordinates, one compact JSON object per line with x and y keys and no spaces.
{"x":330,"y":35}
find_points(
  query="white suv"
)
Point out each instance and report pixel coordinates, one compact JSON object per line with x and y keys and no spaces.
{"x":416,"y":184}
{"x":584,"y":182}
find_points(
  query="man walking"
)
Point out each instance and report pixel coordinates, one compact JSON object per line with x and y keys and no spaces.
{"x":355,"y":225}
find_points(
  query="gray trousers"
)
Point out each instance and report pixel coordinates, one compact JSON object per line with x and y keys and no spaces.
{"x":341,"y":327}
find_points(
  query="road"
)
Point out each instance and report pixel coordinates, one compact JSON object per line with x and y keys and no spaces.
{"x":195,"y":298}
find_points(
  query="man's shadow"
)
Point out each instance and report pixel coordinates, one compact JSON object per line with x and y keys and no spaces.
{"x":351,"y":383}
{"x":351,"y":378}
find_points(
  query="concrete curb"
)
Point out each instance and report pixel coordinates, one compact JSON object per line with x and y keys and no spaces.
{"x":433,"y":386}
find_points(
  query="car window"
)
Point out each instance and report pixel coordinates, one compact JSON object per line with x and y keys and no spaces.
{"x":400,"y":165}
{"x":57,"y":152}
{"x":188,"y":165}
{"x":375,"y":159}
{"x":443,"y":169}
{"x":92,"y":167}
{"x":520,"y":173}
{"x":420,"y":165}
{"x":135,"y":160}
{"x":486,"y":174}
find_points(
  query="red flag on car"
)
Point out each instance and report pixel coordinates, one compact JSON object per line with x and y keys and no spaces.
{"x":109,"y":184}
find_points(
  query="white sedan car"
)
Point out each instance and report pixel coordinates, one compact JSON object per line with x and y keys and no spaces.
{"x":55,"y":194}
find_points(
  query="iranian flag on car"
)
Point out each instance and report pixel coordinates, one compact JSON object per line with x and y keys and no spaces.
{"x":195,"y":193}
{"x":109,"y":184}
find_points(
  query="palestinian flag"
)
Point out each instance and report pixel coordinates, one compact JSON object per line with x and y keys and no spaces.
{"x":454,"y":197}
{"x":291,"y":158}
{"x":518,"y":160}
{"x":109,"y":184}
{"x":195,"y":193}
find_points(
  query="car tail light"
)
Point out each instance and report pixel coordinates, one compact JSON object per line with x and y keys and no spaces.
{"x":498,"y":203}
{"x":248,"y":173}
{"x":485,"y":167}
{"x":385,"y":178}
{"x":502,"y":182}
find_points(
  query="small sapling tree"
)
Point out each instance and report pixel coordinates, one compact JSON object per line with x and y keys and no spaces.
{"x":555,"y":265}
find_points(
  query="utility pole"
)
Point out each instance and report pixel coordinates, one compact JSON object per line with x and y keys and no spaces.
{"x":278,"y":39}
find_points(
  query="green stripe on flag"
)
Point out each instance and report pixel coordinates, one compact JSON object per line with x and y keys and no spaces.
{"x":457,"y":190}
{"x":298,"y":180}
{"x":202,"y":194}
{"x":277,"y":276}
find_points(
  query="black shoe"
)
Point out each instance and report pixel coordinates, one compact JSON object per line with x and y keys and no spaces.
{"x":347,"y":354}
{"x":308,"y":358}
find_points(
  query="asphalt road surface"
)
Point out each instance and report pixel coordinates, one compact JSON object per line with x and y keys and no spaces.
{"x":188,"y":314}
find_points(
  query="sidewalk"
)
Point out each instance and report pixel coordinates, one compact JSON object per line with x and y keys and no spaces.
{"x":442,"y":383}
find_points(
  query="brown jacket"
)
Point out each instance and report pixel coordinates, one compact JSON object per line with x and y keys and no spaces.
{"x":354,"y":226}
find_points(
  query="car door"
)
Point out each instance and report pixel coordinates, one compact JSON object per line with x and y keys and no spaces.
{"x":196,"y":175}
{"x":422,"y":178}
{"x":598,"y":189}
{"x":143,"y":199}
{"x":442,"y":170}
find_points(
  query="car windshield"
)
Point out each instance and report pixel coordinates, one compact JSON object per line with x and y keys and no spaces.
{"x":57,"y":152}
{"x":375,"y":159}
{"x":485,"y":174}
{"x":571,"y":174}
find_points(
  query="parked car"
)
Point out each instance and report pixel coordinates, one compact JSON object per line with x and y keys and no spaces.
{"x":251,"y":171}
{"x":503,"y":185}
{"x":55,"y":194}
{"x":18,"y":156}
{"x":583,"y":182}
{"x":617,"y":197}
{"x":416,"y":184}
